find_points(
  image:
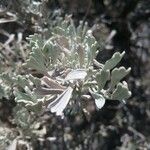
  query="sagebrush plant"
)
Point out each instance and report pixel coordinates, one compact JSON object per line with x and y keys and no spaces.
{"x":69,"y":72}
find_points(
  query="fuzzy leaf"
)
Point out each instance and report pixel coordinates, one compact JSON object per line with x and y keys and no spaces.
{"x":36,"y":81}
{"x":111,"y":63}
{"x":35,"y":40}
{"x":21,"y":81}
{"x":34,"y":64}
{"x":99,"y":99}
{"x":78,"y":74}
{"x":51,"y":51}
{"x":91,"y":47}
{"x":118,"y":74}
{"x":71,"y":30}
{"x":52,"y":83}
{"x":37,"y":59}
{"x":47,"y":91}
{"x":102,"y":78}
{"x":121,"y":92}
{"x":22,"y":96}
{"x":80,"y":29}
{"x":38,"y":55}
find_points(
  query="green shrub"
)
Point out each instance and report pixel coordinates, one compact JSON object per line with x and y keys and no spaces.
{"x":70,"y":73}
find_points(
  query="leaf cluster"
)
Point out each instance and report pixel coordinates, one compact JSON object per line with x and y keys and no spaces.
{"x":69,"y":72}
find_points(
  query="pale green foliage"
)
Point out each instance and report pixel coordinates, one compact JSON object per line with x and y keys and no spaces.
{"x":68,"y":47}
{"x":111,"y":63}
{"x":102,"y":77}
{"x":121,"y":92}
{"x":118,"y":74}
{"x":66,"y":60}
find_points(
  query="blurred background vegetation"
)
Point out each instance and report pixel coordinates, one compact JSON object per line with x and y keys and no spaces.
{"x":118,"y":26}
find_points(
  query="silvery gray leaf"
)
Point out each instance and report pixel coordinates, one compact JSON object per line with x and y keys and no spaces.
{"x":118,"y":74}
{"x":100,"y":102}
{"x":52,"y":83}
{"x":99,"y":99}
{"x":121,"y":92}
{"x":47,"y":91}
{"x":115,"y":59}
{"x":78,"y":74}
{"x":60,"y":103}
